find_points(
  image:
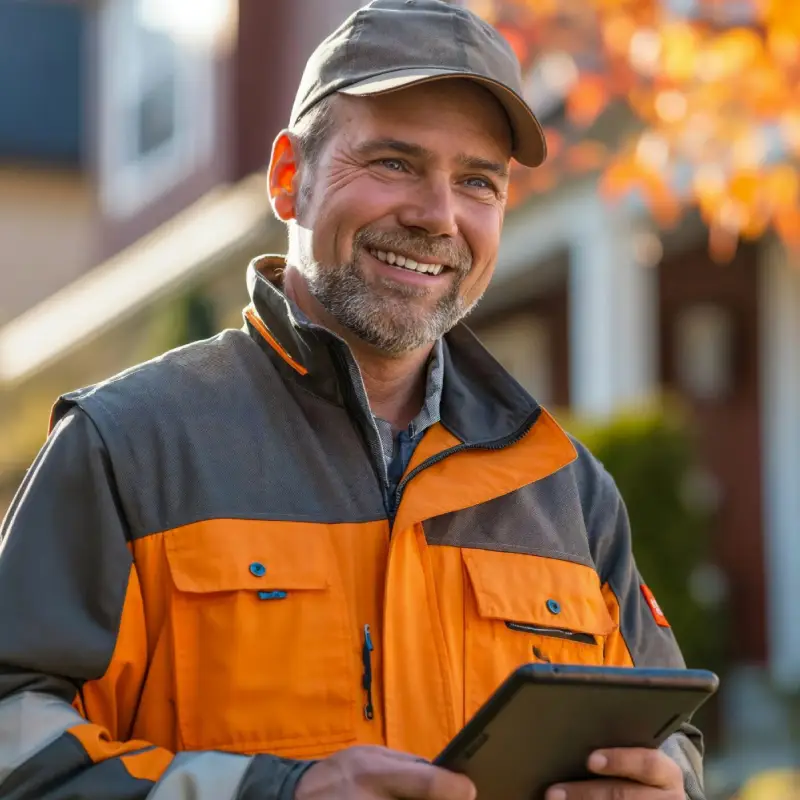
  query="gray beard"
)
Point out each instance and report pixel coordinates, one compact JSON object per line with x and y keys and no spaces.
{"x":388,"y":320}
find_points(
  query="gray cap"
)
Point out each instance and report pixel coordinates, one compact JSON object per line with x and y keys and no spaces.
{"x":391,"y":44}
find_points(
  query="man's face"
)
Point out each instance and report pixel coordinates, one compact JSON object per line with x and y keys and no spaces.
{"x":400,"y":219}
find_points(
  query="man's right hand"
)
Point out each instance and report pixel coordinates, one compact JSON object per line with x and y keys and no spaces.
{"x":369,"y":773}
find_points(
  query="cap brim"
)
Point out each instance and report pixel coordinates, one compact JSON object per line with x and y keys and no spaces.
{"x":530,"y":147}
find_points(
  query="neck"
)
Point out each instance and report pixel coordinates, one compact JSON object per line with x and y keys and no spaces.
{"x":395,"y":385}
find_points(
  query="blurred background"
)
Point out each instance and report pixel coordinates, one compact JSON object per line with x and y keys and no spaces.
{"x":648,"y":286}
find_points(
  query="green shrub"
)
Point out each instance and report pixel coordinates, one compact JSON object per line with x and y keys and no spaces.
{"x":651,"y":455}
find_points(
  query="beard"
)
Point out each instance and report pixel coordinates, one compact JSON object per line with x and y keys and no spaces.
{"x":388,"y":315}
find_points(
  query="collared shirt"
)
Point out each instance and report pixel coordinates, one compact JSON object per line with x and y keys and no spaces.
{"x":399,"y":447}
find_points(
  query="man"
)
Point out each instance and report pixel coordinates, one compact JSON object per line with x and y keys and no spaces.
{"x":293,"y":560}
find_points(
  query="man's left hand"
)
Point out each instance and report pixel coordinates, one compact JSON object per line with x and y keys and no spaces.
{"x":628,"y":774}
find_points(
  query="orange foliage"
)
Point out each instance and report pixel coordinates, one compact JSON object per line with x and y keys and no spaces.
{"x":586,"y":155}
{"x":587,"y":99}
{"x":787,"y":223}
{"x":717,"y":97}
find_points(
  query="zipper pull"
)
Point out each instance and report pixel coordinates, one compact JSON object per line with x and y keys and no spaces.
{"x":368,"y":639}
{"x":366,"y":654}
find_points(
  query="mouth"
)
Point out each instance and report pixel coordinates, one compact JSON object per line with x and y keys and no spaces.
{"x":403,"y":261}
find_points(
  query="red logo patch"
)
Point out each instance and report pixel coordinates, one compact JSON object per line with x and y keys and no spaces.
{"x":655,"y":608}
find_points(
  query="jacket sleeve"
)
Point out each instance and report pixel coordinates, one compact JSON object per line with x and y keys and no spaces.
{"x":73,"y":649}
{"x":643,"y":637}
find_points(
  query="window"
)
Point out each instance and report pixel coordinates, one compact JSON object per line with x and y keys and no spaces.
{"x":156,"y":107}
{"x":704,"y":351}
{"x":521,"y":343}
{"x":41,"y":82}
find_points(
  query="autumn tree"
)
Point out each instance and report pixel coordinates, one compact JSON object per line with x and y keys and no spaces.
{"x":712,"y":88}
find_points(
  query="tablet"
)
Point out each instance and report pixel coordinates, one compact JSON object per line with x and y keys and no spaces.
{"x":544,"y":721}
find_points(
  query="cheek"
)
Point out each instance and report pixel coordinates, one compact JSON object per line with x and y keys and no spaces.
{"x":476,"y":282}
{"x":332,"y":232}
{"x":483,"y":238}
{"x":342,"y":213}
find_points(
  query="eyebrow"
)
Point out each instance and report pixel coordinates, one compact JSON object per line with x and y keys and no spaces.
{"x":372,"y":146}
{"x":483,"y":165}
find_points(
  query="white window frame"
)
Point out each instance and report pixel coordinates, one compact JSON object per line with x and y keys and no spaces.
{"x":779,"y":297}
{"x":126,"y":186}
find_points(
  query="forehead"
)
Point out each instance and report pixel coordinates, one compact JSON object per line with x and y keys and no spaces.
{"x":458,"y":114}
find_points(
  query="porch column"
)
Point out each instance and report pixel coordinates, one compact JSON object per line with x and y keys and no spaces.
{"x":780,"y":403}
{"x":613,"y":315}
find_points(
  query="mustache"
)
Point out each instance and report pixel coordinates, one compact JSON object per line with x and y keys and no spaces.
{"x":453,"y":254}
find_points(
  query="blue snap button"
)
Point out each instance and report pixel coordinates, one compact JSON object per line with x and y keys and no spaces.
{"x":276,"y":595}
{"x":553,"y":606}
{"x":258,"y":569}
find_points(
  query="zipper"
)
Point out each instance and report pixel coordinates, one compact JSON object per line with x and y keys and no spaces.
{"x":391,"y":507}
{"x":366,"y":655}
{"x":498,"y":444}
{"x":554,"y":633}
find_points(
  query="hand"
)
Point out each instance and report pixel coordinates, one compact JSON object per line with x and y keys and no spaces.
{"x":369,"y":773}
{"x":628,"y":774}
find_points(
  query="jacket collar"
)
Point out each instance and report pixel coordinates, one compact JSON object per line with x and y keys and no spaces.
{"x":481,"y":403}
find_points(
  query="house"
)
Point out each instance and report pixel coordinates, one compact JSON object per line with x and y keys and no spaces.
{"x":130,"y":143}
{"x":594,"y":311}
{"x":154,"y":188}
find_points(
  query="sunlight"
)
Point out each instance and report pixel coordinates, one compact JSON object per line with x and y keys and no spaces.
{"x":201,"y":24}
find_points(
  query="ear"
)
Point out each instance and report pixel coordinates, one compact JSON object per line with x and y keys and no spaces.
{"x":283,"y":177}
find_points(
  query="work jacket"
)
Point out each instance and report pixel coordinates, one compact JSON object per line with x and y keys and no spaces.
{"x":201,"y":587}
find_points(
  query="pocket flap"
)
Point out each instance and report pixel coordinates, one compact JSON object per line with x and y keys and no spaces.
{"x":224,"y":555}
{"x":547,"y":592}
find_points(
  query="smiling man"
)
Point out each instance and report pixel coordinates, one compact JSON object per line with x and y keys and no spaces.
{"x":393,"y":232}
{"x":293,"y":560}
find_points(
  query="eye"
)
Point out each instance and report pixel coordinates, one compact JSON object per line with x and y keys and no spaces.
{"x":392,"y":164}
{"x":478,"y":182}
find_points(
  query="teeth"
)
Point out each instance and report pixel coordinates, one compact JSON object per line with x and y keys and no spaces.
{"x":407,"y":263}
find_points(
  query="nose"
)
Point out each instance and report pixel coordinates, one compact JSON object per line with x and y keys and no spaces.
{"x":432,"y":209}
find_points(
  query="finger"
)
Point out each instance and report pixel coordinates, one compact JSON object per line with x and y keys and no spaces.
{"x":608,"y":789}
{"x":446,"y":785}
{"x":377,"y":754}
{"x":641,"y":765}
{"x":401,"y":755}
{"x":419,"y":781}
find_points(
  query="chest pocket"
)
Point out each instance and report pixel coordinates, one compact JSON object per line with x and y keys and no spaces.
{"x":521,"y":609}
{"x":265,"y":659}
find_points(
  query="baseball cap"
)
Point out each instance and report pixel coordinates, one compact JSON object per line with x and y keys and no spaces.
{"x":391,"y":44}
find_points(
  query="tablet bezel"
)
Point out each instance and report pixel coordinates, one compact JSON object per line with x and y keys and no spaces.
{"x":702,"y":682}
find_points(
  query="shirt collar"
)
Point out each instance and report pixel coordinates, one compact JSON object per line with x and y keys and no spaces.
{"x":431,"y":408}
{"x":478,"y":401}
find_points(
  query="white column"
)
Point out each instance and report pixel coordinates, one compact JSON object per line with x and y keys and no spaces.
{"x":613,"y":315}
{"x":780,"y":403}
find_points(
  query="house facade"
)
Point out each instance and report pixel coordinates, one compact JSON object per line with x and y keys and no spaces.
{"x":130,"y":145}
{"x":595,"y":310}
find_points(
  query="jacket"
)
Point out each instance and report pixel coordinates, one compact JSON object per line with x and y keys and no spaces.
{"x":202,"y":590}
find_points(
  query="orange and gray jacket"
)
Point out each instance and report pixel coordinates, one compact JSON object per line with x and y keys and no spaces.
{"x":202,"y":592}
